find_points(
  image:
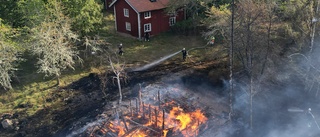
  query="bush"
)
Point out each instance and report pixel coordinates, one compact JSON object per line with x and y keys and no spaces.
{"x":182,"y":27}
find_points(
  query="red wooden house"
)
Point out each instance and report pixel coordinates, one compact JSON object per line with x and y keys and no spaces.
{"x":136,"y":17}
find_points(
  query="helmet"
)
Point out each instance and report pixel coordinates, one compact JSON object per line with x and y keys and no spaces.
{"x":184,"y":49}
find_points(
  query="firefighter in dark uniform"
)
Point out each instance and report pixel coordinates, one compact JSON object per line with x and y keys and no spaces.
{"x":120,"y":49}
{"x":147,"y":36}
{"x":184,"y":54}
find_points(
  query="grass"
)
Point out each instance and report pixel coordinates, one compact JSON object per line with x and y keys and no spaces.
{"x":34,"y":88}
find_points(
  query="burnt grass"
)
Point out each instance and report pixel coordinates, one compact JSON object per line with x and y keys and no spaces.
{"x":83,"y":100}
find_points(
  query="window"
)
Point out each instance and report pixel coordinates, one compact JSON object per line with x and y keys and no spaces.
{"x":172,"y":21}
{"x":126,"y":12}
{"x":128,"y":26}
{"x":147,"y":14}
{"x":147,"y":27}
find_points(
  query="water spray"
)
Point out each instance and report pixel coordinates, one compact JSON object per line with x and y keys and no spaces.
{"x":309,"y":112}
{"x":156,"y":62}
{"x":197,"y":48}
{"x":295,"y":110}
{"x":163,"y":59}
{"x":314,"y":119}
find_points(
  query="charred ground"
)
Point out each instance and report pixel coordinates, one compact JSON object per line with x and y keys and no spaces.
{"x":85,"y":101}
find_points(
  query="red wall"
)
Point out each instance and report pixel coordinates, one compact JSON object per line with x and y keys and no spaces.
{"x":121,"y":19}
{"x":159,"y":21}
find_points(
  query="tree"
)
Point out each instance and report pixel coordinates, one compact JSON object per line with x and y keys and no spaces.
{"x":34,"y":12}
{"x":9,"y":56}
{"x":250,"y":42}
{"x":52,"y":42}
{"x":231,"y":58}
{"x":115,"y":63}
{"x":218,"y":21}
{"x":194,"y":10}
{"x":10,"y":13}
{"x":85,"y":14}
{"x":300,"y":17}
{"x":118,"y":69}
{"x":305,"y":60}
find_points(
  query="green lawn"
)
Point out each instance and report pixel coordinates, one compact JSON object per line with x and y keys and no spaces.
{"x":34,"y":88}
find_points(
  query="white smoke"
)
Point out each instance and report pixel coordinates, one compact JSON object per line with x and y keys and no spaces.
{"x":84,"y":128}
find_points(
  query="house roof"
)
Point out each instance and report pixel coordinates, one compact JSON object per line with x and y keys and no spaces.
{"x":146,"y":5}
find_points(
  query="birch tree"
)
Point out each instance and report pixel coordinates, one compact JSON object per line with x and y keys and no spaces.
{"x":53,"y":43}
{"x":8,"y":56}
{"x":250,"y":41}
{"x":220,"y":21}
{"x":306,"y":60}
{"x":118,"y":70}
{"x":108,"y":57}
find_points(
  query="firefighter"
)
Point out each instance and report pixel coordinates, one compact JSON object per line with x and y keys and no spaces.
{"x":147,"y":36}
{"x":212,"y":40}
{"x":184,"y":54}
{"x":120,"y":49}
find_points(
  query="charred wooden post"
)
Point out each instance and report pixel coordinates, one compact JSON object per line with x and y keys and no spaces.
{"x":137,"y":106}
{"x":150,"y":118}
{"x":163,"y":114}
{"x":197,"y":130}
{"x":143,"y":109}
{"x":115,"y":111}
{"x":118,"y":117}
{"x":159,"y":98}
{"x":140,"y":95}
{"x":130,"y":107}
{"x":125,"y":124}
{"x":156,"y":116}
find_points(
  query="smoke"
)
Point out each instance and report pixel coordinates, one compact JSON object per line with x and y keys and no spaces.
{"x":281,"y":100}
{"x":84,"y":128}
{"x":299,"y":128}
{"x":280,"y":103}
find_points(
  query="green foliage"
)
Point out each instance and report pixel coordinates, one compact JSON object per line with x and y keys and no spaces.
{"x":8,"y":55}
{"x":33,"y":11}
{"x":292,"y":9}
{"x":299,"y":15}
{"x":86,"y":15}
{"x":221,"y":2}
{"x":10,"y":13}
{"x":182,"y":27}
{"x":52,"y":42}
{"x":218,"y":21}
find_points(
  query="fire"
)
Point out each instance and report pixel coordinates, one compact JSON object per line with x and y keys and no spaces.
{"x":156,"y":119}
{"x":184,"y":119}
{"x":115,"y":128}
{"x":186,"y":123}
{"x":157,"y":123}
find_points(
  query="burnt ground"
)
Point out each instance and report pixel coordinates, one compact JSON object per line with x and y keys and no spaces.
{"x":85,"y":100}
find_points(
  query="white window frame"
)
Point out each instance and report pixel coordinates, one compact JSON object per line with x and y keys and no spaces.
{"x":147,"y":14}
{"x":126,"y":12}
{"x":172,"y":21}
{"x":147,"y":27}
{"x":128,"y":26}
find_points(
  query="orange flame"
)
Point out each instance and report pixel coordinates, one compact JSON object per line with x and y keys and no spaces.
{"x":179,"y":121}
